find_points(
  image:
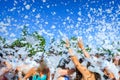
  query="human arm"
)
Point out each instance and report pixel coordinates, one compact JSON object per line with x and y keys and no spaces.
{"x":74,"y":58}
{"x":8,"y":65}
{"x":77,"y":64}
{"x":30,"y":73}
{"x":5,"y":69}
{"x":82,"y":69}
{"x":81,"y":46}
{"x":87,"y":75}
{"x":66,"y":71}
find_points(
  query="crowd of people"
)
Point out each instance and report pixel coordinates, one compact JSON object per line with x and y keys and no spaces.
{"x":86,"y":67}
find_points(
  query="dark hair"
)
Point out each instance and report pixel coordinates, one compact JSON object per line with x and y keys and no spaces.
{"x":97,"y":76}
{"x":81,"y":60}
{"x":78,"y":75}
{"x":98,"y":55}
{"x":105,"y":77}
{"x":43,"y":69}
{"x":1,"y":55}
{"x":63,"y":62}
{"x":118,"y":61}
{"x":88,"y":64}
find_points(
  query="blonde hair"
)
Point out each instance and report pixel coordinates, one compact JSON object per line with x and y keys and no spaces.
{"x":42,"y":66}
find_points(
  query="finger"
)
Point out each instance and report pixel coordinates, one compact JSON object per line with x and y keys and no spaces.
{"x":67,"y":41}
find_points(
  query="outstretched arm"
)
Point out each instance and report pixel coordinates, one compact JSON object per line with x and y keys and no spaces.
{"x":30,"y":73}
{"x":6,"y":69}
{"x":87,"y":75}
{"x":63,"y":72}
{"x":81,"y":46}
{"x":78,"y":65}
{"x":76,"y":62}
{"x":8,"y":65}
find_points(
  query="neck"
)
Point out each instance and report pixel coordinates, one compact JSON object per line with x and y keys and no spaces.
{"x":40,"y":73}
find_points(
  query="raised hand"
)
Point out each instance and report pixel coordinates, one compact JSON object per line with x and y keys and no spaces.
{"x":8,"y":65}
{"x":80,"y":44}
{"x":67,"y":43}
{"x":70,"y":51}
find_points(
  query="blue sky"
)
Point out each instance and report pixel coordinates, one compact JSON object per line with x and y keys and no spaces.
{"x":72,"y":17}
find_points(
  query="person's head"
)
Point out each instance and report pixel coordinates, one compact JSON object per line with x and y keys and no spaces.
{"x":109,"y":74}
{"x":42,"y":69}
{"x":43,"y":64}
{"x":39,"y":69}
{"x":116,"y":61}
